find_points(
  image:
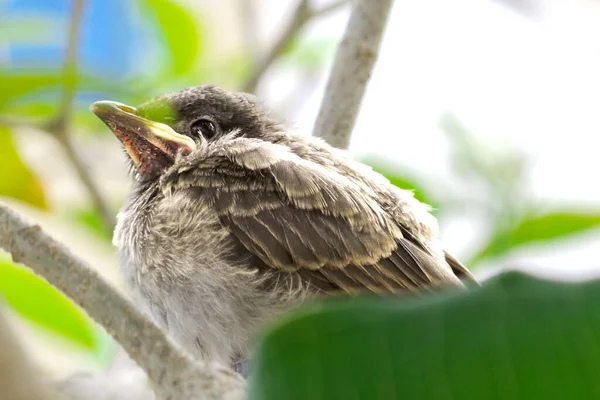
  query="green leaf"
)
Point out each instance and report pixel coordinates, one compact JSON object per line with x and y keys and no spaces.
{"x":515,"y":338}
{"x":539,"y":229}
{"x":36,"y":300}
{"x":180,"y":32}
{"x":17,"y":180}
{"x":404,"y":183}
{"x":17,"y":85}
{"x":400,"y":179}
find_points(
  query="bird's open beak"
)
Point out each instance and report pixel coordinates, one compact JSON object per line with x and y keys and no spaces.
{"x":151,"y":145}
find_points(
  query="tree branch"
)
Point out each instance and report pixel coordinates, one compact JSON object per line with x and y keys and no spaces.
{"x":59,"y":126}
{"x":174,"y":372}
{"x":302,"y":14}
{"x":18,"y":378}
{"x":351,"y":71}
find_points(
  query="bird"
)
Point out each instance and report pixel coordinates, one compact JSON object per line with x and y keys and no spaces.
{"x":234,"y":219}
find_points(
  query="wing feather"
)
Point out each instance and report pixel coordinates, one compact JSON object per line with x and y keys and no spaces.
{"x":332,"y":228}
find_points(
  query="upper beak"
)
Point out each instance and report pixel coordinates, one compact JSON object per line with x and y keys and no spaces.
{"x":147,"y":142}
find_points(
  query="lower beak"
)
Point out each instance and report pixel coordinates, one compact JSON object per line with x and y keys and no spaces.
{"x":152,"y":146}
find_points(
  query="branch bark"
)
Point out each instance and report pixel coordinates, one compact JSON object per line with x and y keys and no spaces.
{"x":18,"y":378}
{"x":176,"y":375}
{"x":354,"y":60}
{"x":303,"y":13}
{"x":59,"y":127}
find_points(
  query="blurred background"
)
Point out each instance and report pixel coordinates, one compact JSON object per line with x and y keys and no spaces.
{"x":487,"y":109}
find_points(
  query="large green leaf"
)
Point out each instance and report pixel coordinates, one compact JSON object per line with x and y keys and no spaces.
{"x":539,"y":229}
{"x":180,"y":32}
{"x":36,"y":300}
{"x":515,"y":338}
{"x":16,"y":180}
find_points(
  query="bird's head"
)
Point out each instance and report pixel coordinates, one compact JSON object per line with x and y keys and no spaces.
{"x":165,"y":130}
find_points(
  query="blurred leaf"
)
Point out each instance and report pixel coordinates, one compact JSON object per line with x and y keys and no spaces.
{"x":17,"y":90}
{"x":537,"y":229}
{"x":497,"y":164}
{"x":180,"y":32}
{"x":227,"y":71}
{"x":36,"y":300}
{"x":397,"y":178}
{"x":309,"y":54}
{"x":91,"y":219}
{"x":493,"y":174}
{"x":290,"y":46}
{"x":404,"y":183}
{"x":17,"y":85}
{"x":31,"y":109}
{"x":17,"y":180}
{"x":515,"y":338}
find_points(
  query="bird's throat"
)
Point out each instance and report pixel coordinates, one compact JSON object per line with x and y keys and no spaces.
{"x":148,"y":159}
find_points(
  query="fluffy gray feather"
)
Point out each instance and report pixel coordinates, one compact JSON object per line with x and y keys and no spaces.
{"x":253,"y":219}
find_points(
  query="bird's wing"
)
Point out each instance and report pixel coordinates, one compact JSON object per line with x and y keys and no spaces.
{"x":459,"y":269}
{"x":299,"y":216}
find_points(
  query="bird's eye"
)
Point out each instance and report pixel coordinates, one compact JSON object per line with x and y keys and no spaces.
{"x":205,"y":128}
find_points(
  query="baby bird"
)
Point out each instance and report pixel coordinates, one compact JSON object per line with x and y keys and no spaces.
{"x":233,"y":219}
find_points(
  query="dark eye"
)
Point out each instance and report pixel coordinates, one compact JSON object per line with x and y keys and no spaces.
{"x":205,"y":128}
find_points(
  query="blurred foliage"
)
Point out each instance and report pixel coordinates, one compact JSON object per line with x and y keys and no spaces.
{"x":496,"y":175}
{"x":516,"y":337}
{"x":401,"y":179}
{"x":17,"y":180}
{"x":17,"y":85}
{"x":180,"y":32}
{"x":538,"y":229}
{"x":91,"y":219}
{"x":36,"y":300}
{"x":308,"y":54}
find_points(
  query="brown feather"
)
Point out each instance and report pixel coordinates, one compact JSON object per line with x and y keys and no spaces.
{"x":459,"y":269}
{"x":328,"y":224}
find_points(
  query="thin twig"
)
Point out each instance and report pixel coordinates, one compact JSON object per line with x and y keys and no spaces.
{"x":59,"y":127}
{"x":173,"y":371}
{"x":302,"y":14}
{"x":70,"y":63}
{"x":18,"y":378}
{"x":354,"y":60}
{"x":98,"y":200}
